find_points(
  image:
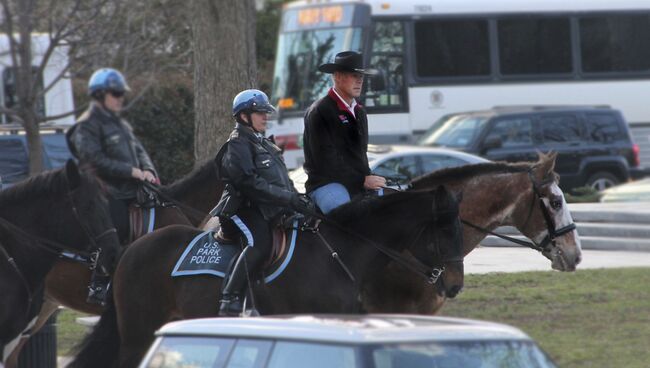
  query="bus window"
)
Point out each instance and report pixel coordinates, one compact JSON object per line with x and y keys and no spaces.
{"x":387,"y":55}
{"x":615,"y":43}
{"x":534,"y":46}
{"x":452,"y":48}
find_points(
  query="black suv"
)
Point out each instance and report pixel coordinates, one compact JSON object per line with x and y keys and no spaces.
{"x":14,"y":159}
{"x":593,"y":142}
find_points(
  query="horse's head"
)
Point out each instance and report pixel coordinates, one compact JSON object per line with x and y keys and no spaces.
{"x":444,"y":242}
{"x":547,"y":220}
{"x":86,"y":210}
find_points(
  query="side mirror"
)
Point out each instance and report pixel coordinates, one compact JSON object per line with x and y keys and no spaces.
{"x":377,"y":82}
{"x":492,"y":143}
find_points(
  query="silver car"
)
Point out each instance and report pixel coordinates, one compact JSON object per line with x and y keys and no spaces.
{"x":360,"y":341}
{"x":401,"y":164}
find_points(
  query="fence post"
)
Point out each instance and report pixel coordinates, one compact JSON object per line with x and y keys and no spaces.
{"x":40,"y":350}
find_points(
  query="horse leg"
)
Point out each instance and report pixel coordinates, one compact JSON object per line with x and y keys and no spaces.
{"x":13,"y":309}
{"x":144,"y":291}
{"x":47,"y":310}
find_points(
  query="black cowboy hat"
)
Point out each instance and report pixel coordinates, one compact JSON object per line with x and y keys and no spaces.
{"x":347,"y":61}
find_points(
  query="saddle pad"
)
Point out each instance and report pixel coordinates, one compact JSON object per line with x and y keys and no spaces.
{"x":205,"y":255}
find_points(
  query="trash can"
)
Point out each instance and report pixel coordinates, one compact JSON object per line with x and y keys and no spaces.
{"x":40,"y":350}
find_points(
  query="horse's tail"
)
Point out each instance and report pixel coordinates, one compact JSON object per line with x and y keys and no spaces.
{"x":100,"y":348}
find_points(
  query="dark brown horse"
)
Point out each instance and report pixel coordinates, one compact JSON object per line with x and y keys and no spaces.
{"x":67,"y":282}
{"x":57,"y":211}
{"x":362,"y":233}
{"x":526,"y":196}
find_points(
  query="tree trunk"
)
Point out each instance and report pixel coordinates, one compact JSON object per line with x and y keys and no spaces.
{"x":24,"y":85}
{"x":224,"y":64}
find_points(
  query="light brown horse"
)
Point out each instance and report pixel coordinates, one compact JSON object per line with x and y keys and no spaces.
{"x":67,"y":282}
{"x":494,"y":194}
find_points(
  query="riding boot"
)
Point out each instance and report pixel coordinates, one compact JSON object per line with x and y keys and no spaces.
{"x":232,"y":300}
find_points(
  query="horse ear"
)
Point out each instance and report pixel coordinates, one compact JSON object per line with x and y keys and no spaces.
{"x":544,"y":167}
{"x":72,"y":174}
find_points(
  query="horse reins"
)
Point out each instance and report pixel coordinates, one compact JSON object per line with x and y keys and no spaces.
{"x":174,"y":202}
{"x":553,"y":233}
{"x":415,"y":265}
{"x":13,"y":264}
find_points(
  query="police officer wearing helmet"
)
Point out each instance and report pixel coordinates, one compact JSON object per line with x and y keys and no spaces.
{"x":105,"y":141}
{"x":258,"y":191}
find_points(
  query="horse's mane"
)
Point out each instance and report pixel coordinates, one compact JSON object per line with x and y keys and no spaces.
{"x":468,"y":171}
{"x":363,"y":207}
{"x":49,"y":183}
{"x":190,"y":180}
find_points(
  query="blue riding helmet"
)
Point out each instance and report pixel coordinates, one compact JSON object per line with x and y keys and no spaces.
{"x":107,"y":79}
{"x":252,"y":100}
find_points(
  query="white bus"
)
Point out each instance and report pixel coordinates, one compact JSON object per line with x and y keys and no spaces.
{"x":58,"y":99}
{"x":444,"y":56}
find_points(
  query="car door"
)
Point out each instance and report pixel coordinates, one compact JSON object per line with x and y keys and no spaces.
{"x":14,"y":162}
{"x":512,"y":139}
{"x":563,"y":133}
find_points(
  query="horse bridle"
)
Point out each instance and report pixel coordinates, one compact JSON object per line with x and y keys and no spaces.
{"x":549,"y":240}
{"x":47,"y":244}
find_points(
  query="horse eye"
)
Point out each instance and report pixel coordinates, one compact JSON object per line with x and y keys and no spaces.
{"x":556,"y":204}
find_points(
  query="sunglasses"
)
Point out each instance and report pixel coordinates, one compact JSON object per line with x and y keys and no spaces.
{"x":116,"y":94}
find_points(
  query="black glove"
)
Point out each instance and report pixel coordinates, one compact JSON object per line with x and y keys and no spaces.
{"x":303,"y":204}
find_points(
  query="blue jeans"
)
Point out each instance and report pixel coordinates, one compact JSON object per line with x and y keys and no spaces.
{"x":330,"y":196}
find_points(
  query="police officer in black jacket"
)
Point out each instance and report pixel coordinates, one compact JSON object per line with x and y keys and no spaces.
{"x":336,"y":137}
{"x":105,"y":141}
{"x":258,"y":190}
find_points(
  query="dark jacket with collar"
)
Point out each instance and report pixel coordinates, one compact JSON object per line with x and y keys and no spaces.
{"x":256,"y":175}
{"x":106,"y":142}
{"x":335,"y":144}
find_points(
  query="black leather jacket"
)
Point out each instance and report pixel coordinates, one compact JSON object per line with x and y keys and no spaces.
{"x":107,"y":143}
{"x":256,"y":175}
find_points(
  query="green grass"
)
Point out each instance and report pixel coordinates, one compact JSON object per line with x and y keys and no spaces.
{"x":68,"y":332}
{"x":590,"y":318}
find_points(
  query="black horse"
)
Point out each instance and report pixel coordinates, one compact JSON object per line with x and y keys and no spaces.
{"x":364,"y":233}
{"x":57,"y":211}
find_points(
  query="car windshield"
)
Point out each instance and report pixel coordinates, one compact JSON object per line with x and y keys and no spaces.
{"x":468,"y":354}
{"x":297,"y":83}
{"x":457,"y":131}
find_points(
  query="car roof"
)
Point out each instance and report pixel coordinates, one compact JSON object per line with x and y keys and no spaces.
{"x":376,"y":152}
{"x":347,"y":329}
{"x":526,"y":109}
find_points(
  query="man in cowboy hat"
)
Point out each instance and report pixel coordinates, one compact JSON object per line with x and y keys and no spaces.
{"x":336,"y":137}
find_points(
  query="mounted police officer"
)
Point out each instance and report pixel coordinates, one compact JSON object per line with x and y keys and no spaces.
{"x":258,"y":191}
{"x":105,"y":141}
{"x":336,"y":137}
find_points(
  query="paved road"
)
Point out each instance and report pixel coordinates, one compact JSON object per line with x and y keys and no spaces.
{"x":507,"y":259}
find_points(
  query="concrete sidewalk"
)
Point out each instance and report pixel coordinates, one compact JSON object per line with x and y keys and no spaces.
{"x":506,"y":259}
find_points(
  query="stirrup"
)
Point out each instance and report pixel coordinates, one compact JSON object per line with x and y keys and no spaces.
{"x":231,"y":306}
{"x":97,"y":294}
